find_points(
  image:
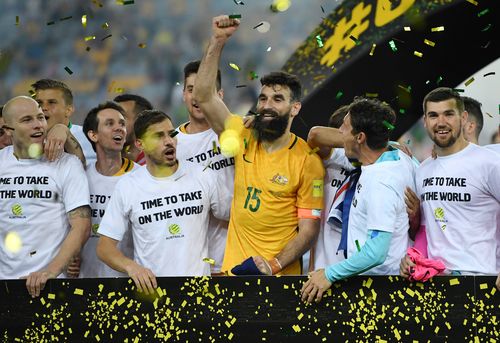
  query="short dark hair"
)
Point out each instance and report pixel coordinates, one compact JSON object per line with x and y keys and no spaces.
{"x":337,"y":117}
{"x":443,"y":94}
{"x":473,"y":107}
{"x":141,"y":103}
{"x":44,"y":84}
{"x":147,"y":118}
{"x":284,"y":79}
{"x":192,"y":68}
{"x":374,"y":118}
{"x":91,"y":122}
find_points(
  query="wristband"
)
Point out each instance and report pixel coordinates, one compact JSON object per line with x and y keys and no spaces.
{"x":275,"y":266}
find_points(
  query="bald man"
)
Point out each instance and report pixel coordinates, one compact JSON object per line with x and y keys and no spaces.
{"x":45,"y":205}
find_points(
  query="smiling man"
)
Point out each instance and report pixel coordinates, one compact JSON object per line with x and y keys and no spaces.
{"x":278,"y":186}
{"x":105,"y":128}
{"x":56,"y":100}
{"x":198,"y":143}
{"x":44,"y":204}
{"x":459,"y":191}
{"x":377,"y":221}
{"x":167,"y":203}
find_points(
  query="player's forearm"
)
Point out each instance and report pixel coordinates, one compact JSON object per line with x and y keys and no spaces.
{"x":372,"y":254}
{"x":80,"y":229}
{"x":205,"y":92}
{"x":108,"y":252}
{"x":207,"y":73}
{"x":73,"y":147}
{"x":325,"y":137}
{"x":308,"y":233}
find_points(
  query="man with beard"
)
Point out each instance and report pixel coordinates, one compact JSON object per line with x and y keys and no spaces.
{"x":459,"y":199}
{"x":167,"y":204}
{"x":278,"y":186}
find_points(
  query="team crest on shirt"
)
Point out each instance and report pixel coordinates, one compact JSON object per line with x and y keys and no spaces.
{"x":17,"y":211}
{"x":279,"y":179}
{"x":175,"y":231}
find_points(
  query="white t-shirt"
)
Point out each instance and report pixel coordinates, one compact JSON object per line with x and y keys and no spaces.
{"x":199,"y":148}
{"x":35,"y":196}
{"x":378,"y":204}
{"x":459,"y":200}
{"x":494,"y":147}
{"x":325,"y":251}
{"x":101,"y":187}
{"x":169,"y":217}
{"x":88,"y":152}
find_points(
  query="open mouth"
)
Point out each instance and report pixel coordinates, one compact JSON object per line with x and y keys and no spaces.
{"x":37,"y":135}
{"x":442,"y":132}
{"x":169,"y":153}
{"x":118,"y":138}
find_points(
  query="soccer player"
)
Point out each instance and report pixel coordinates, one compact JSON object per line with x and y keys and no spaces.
{"x":44,"y":204}
{"x":278,"y":186}
{"x":198,"y":143}
{"x":167,"y":202}
{"x":105,"y":128}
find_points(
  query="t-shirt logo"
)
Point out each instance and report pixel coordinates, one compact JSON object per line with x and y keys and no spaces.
{"x":439,"y":216}
{"x":279,"y":180}
{"x":439,"y":213}
{"x":17,"y":210}
{"x":174,"y":229}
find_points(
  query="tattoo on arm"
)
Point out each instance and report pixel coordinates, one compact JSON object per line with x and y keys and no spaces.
{"x":80,"y":212}
{"x":75,"y":143}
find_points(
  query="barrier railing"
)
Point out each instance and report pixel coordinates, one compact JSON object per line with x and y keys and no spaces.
{"x":252,"y":309}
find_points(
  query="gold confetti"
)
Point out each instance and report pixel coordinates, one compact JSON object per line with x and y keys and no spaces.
{"x":234,"y":66}
{"x":396,"y":334}
{"x":417,"y":53}
{"x":17,"y":20}
{"x":296,"y":328}
{"x":454,"y":282}
{"x":84,"y":20}
{"x":209,"y":260}
{"x":89,"y":38}
{"x":78,"y":291}
{"x":437,"y":29}
{"x":372,"y":49}
{"x":469,"y":81}
{"x":483,"y":286}
{"x":407,"y":28}
{"x":475,"y":3}
{"x":51,"y":296}
{"x":105,"y":26}
{"x":141,"y":45}
{"x":429,"y":42}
